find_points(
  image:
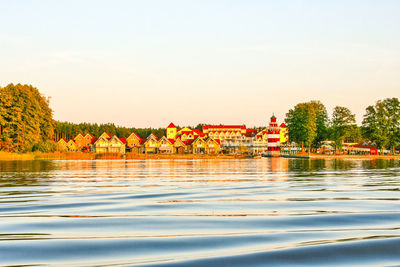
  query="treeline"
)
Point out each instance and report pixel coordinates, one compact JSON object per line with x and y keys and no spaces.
{"x":69,"y":130}
{"x":27,"y":124}
{"x":309,"y":124}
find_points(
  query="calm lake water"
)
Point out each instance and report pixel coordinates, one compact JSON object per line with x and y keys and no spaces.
{"x":256,"y":212}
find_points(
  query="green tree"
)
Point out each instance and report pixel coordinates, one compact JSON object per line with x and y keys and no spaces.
{"x":382,"y":122}
{"x":342,"y":125}
{"x":26,"y":118}
{"x":307,"y":123}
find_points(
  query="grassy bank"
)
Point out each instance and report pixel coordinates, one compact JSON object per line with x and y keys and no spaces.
{"x":16,"y":156}
{"x":45,"y":156}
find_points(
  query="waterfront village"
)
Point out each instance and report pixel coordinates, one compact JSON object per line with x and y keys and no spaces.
{"x":212,"y":139}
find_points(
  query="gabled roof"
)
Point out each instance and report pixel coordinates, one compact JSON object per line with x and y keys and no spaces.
{"x":166,"y":139}
{"x":361,"y":145}
{"x":63,"y":139}
{"x":213,"y":140}
{"x":283,"y":125}
{"x":171,"y":125}
{"x":79,"y":134}
{"x":199,"y":132}
{"x":198,"y":139}
{"x":118,"y":139}
{"x":185,"y":129}
{"x":186,"y":132}
{"x":178,"y":140}
{"x":251,"y":132}
{"x":141,"y":140}
{"x":109,"y":135}
{"x":101,"y":138}
{"x":91,"y":136}
{"x":152,"y":136}
{"x":172,"y":141}
{"x":136,"y":135}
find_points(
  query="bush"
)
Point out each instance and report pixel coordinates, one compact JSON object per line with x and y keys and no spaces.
{"x":45,"y":146}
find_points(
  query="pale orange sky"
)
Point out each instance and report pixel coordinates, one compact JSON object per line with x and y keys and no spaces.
{"x":147,"y":63}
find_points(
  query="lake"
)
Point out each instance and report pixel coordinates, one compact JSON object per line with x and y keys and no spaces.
{"x":227,"y":212}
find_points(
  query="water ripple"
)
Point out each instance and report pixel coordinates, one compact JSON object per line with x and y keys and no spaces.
{"x":275,"y":212}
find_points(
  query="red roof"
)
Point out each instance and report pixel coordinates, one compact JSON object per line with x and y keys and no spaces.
{"x":171,"y":125}
{"x":363,"y":146}
{"x":199,"y":132}
{"x":172,"y":141}
{"x":109,"y":135}
{"x":283,"y":125}
{"x":224,"y":126}
{"x":94,"y":140}
{"x":155,"y":136}
{"x":135,"y":134}
{"x":90,"y":135}
{"x":123,"y":140}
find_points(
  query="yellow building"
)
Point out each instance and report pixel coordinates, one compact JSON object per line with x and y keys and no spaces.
{"x":72,"y":146}
{"x":171,"y":131}
{"x":151,"y":144}
{"x":212,"y":146}
{"x":166,"y":145}
{"x":224,"y":131}
{"x":79,"y":141}
{"x":62,"y":145}
{"x":110,"y":145}
{"x":82,"y":141}
{"x":186,"y":134}
{"x":199,"y":146}
{"x":133,"y":140}
{"x":101,"y":145}
{"x":284,"y":133}
{"x":180,"y":146}
{"x":117,"y":145}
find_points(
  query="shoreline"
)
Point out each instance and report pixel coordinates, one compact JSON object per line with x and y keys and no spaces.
{"x":354,"y":156}
{"x":9,"y":156}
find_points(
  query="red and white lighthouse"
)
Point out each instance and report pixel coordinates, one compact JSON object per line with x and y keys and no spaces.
{"x":273,"y":134}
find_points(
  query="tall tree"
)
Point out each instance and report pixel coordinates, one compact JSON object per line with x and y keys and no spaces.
{"x":381,"y":123}
{"x":342,"y":124}
{"x":26,"y":118}
{"x":307,"y":123}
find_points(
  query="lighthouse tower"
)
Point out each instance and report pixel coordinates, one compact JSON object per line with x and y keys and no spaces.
{"x":273,"y":134}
